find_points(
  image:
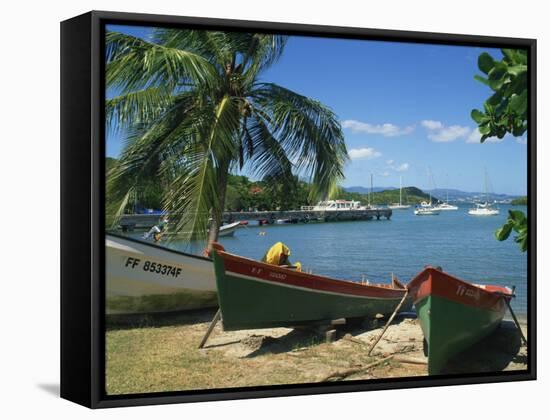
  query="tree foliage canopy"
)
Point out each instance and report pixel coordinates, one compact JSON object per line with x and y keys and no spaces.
{"x":505,"y":112}
{"x":506,"y":109}
{"x":195,"y":109}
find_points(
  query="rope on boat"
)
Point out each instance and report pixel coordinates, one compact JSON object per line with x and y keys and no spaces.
{"x":389,"y":321}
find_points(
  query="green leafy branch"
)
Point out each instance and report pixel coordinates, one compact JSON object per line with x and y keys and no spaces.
{"x":517,"y":222}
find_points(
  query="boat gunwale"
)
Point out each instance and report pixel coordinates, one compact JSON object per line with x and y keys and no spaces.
{"x":140,"y":242}
{"x":327,"y":281}
{"x":425,"y":275}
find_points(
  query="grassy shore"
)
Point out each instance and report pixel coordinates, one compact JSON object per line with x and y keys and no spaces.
{"x":155,"y":353}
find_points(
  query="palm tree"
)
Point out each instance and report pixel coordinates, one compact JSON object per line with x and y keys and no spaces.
{"x":195,"y":109}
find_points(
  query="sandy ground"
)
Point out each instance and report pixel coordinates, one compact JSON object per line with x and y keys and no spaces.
{"x":161,"y":353}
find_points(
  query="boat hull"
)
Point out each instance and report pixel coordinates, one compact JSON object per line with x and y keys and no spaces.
{"x":256,"y":295}
{"x":135,"y":283}
{"x":454,"y":314}
{"x":476,"y":212}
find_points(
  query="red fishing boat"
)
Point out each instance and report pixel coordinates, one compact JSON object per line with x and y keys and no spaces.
{"x":455,"y":314}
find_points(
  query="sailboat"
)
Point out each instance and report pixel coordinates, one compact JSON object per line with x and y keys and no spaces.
{"x":446,"y":206}
{"x":399,"y":206}
{"x":427,"y":208}
{"x":486,"y":208}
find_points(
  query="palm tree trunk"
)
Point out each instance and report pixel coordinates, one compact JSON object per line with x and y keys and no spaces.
{"x":221,"y":178}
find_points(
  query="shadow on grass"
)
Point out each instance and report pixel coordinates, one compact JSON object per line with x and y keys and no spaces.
{"x":153,"y":320}
{"x":492,"y":354}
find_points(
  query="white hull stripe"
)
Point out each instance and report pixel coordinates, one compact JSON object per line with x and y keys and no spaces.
{"x":290,"y":286}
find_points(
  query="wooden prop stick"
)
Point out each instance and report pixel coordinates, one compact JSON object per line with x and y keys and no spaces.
{"x":210,"y":328}
{"x":345,"y":373}
{"x":389,"y":322}
{"x":516,"y":321}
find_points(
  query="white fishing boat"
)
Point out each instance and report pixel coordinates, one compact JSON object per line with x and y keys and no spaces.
{"x":142,"y":277}
{"x":399,"y":206}
{"x":229,"y":229}
{"x":484,"y":208}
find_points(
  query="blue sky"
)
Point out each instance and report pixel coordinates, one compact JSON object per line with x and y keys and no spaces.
{"x":405,"y":109}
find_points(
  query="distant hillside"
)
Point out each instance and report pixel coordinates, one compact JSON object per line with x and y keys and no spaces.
{"x":411,"y":195}
{"x":365,"y":190}
{"x":453,"y":194}
{"x":521,"y":201}
{"x":457,"y":195}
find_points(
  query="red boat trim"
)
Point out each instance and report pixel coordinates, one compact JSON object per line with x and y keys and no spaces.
{"x":254,"y":270}
{"x":431,"y":281}
{"x":309,"y":289}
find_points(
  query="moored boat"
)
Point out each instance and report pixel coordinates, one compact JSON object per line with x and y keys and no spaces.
{"x":142,"y":277}
{"x":253,"y":295}
{"x":426,"y":209}
{"x":229,"y":229}
{"x":454,"y":314}
{"x":484,"y":209}
{"x":446,"y":206}
{"x":400,"y":205}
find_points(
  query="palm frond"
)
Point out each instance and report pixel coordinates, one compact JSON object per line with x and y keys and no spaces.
{"x":140,"y":107}
{"x":146,"y":148}
{"x":261,"y":51}
{"x":265,"y":157}
{"x":308,"y":131}
{"x":134,"y":64}
{"x":215,"y":46}
{"x":194,"y":193}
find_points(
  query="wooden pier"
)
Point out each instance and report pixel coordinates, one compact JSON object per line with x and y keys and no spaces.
{"x":146,"y":221}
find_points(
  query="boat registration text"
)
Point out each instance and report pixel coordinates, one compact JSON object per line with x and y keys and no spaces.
{"x":153,"y":267}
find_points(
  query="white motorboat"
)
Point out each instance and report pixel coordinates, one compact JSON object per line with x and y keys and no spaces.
{"x":229,"y":229}
{"x":142,"y":277}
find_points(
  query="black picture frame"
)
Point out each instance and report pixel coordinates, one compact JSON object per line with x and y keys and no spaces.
{"x":82,"y":204}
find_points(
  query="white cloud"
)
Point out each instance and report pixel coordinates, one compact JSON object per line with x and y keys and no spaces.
{"x":431,"y":124}
{"x":440,"y":133}
{"x":474,"y":137}
{"x":390,"y":162}
{"x":385,"y":174}
{"x":364,"y":153}
{"x":386,"y":130}
{"x":402,"y":168}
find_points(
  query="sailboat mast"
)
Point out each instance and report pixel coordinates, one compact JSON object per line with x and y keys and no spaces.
{"x":370,"y":189}
{"x":400,"y":189}
{"x":486,"y":188}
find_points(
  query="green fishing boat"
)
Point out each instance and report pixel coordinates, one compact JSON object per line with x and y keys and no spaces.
{"x":455,"y":314}
{"x":254,"y":294}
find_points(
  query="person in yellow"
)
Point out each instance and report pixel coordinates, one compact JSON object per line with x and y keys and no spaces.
{"x":278,"y":255}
